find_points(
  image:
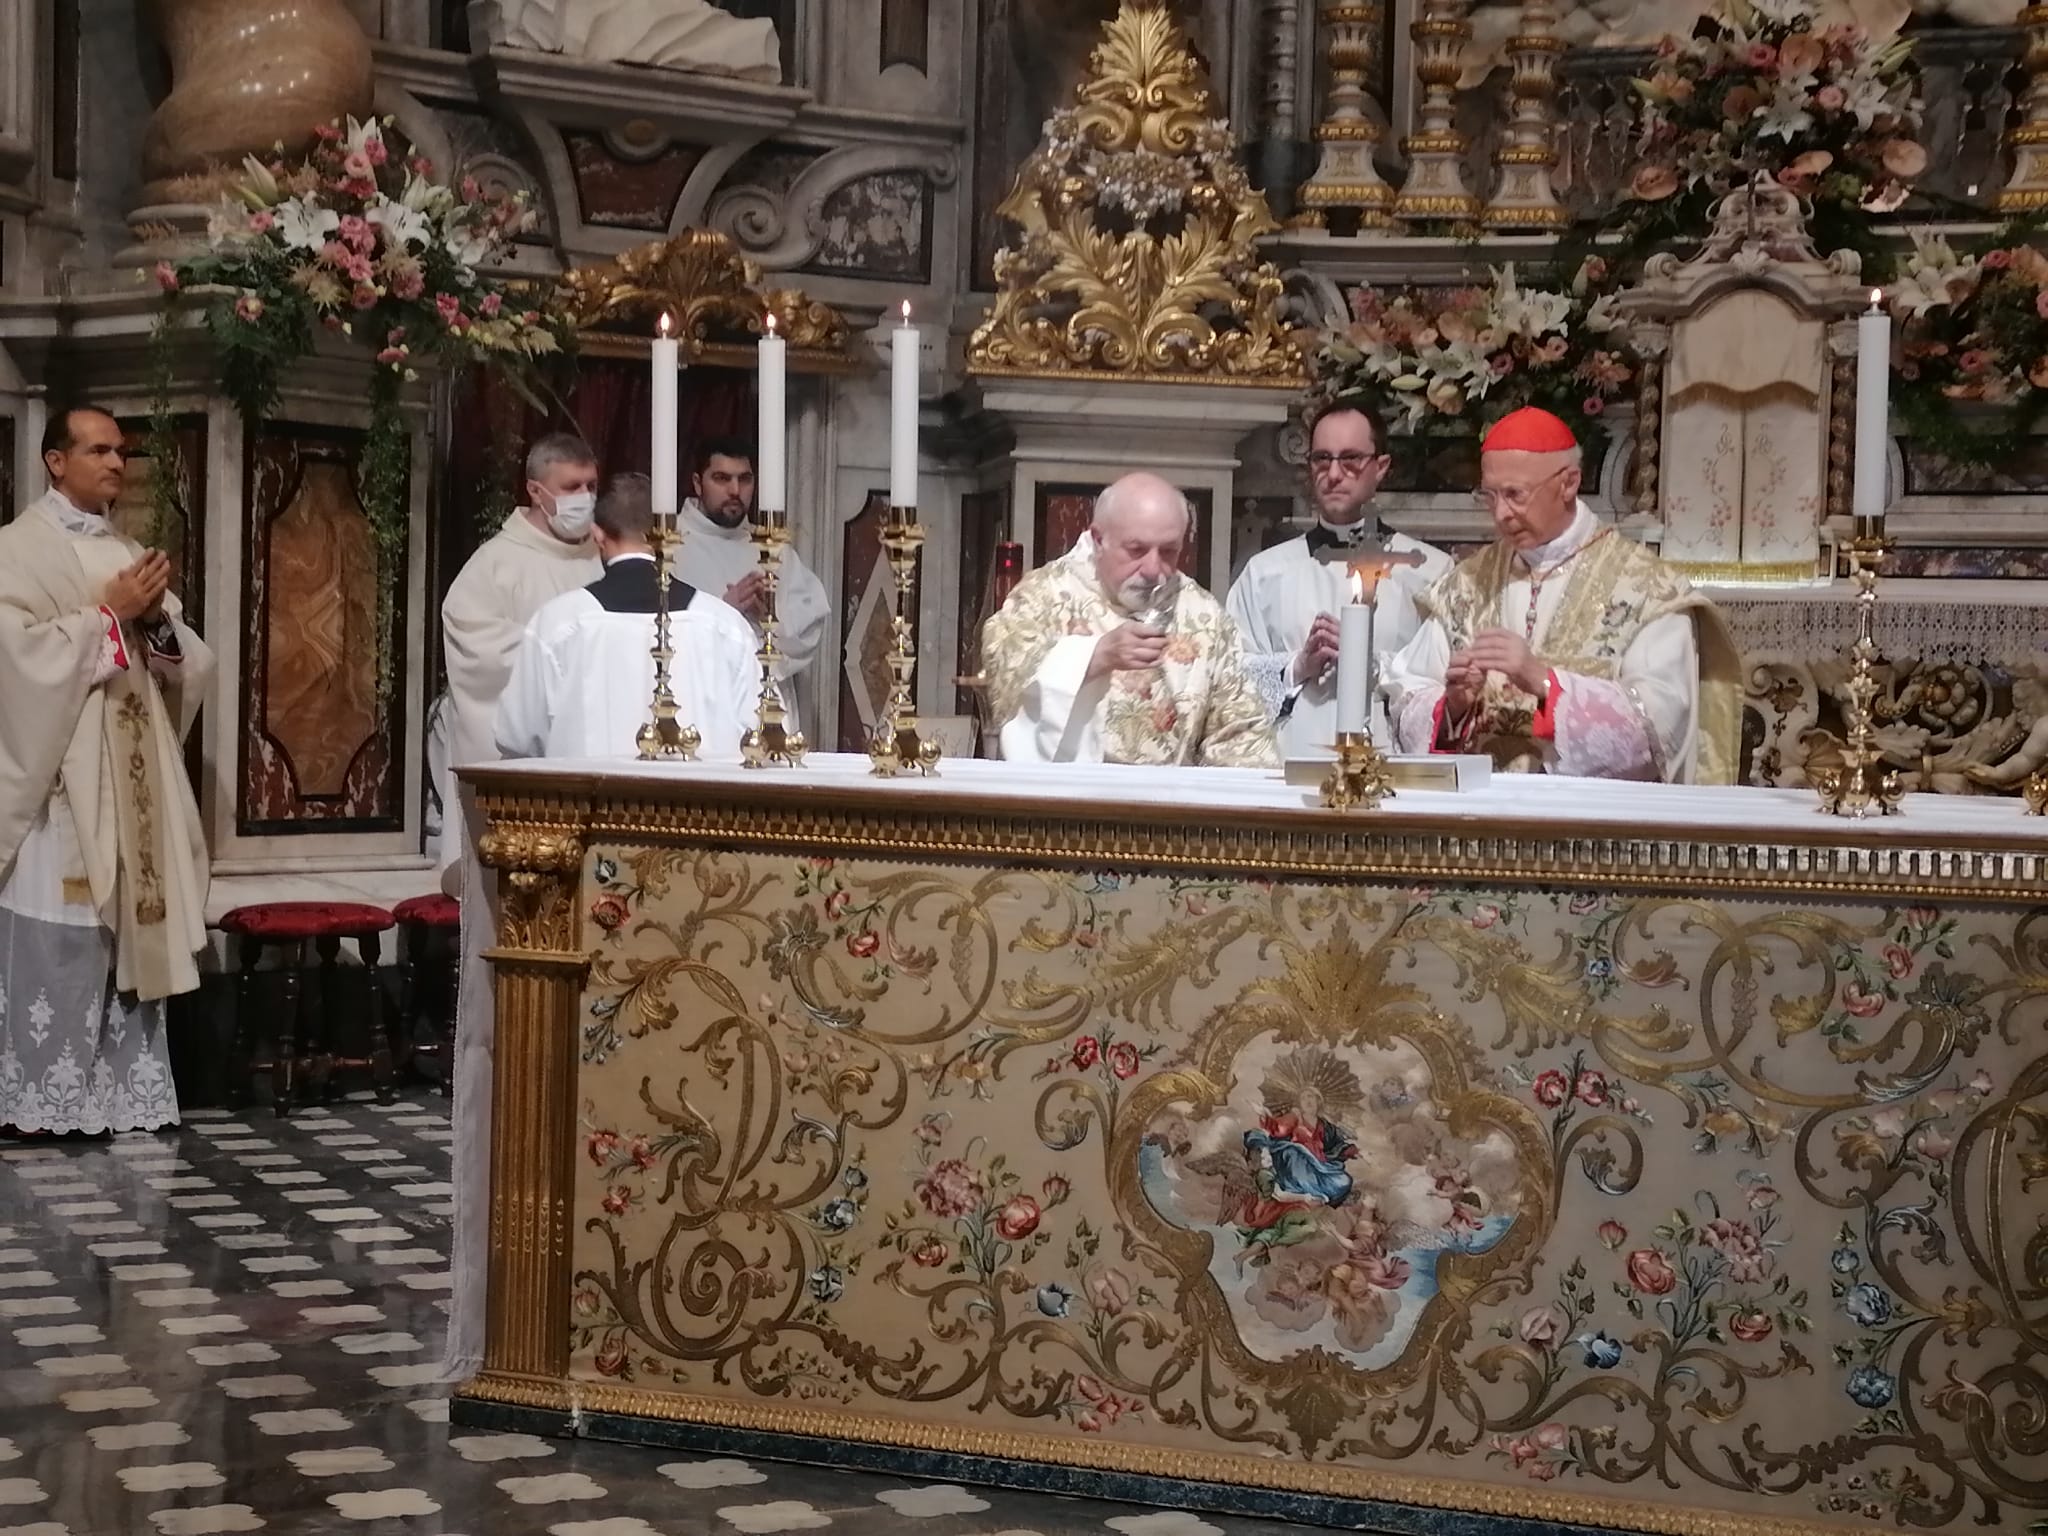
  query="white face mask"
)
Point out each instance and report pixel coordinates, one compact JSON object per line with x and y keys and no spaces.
{"x":572,"y":514}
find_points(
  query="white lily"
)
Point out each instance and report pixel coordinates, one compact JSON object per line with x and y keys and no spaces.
{"x":259,"y":187}
{"x":304,"y":225}
{"x":1603,"y":315}
{"x":1785,"y":117}
{"x":359,"y":136}
{"x":402,"y":226}
{"x":1934,"y":276}
{"x":227,"y":224}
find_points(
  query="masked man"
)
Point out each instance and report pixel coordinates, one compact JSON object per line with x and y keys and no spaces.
{"x":1109,"y":655}
{"x":1564,"y":647}
{"x":103,"y":865}
{"x":1286,"y":599}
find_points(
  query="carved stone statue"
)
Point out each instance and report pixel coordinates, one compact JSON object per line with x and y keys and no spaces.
{"x":667,"y":34}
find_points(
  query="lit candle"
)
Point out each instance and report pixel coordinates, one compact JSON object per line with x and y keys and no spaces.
{"x":903,"y":413}
{"x":1873,"y":413}
{"x":667,"y":365}
{"x":1354,"y":660}
{"x":772,"y":475}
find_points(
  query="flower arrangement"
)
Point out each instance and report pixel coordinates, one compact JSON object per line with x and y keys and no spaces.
{"x":355,"y":241}
{"x":1762,"y":90}
{"x":1973,"y":327}
{"x":1434,"y":358}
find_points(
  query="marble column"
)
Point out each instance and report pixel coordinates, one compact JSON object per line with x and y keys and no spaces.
{"x":245,"y":76}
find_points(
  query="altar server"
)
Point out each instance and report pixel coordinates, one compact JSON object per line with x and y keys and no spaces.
{"x":1109,"y":654}
{"x":543,"y":550}
{"x":103,"y":864}
{"x":719,"y":556}
{"x":1564,"y":647}
{"x":583,"y":680}
{"x":1286,"y":599}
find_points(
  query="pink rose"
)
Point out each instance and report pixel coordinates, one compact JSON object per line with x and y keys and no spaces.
{"x":1552,"y":1088}
{"x":249,"y":308}
{"x":1087,"y":1051}
{"x":608,"y":912}
{"x":1762,"y":56}
{"x":600,"y":1146}
{"x":1612,"y":1235}
{"x":930,"y":1253}
{"x":1762,"y":1197}
{"x":364,"y":297}
{"x":1485,"y":915}
{"x":1994,"y":261}
{"x":167,"y":277}
{"x":950,"y":1189}
{"x":1748,"y":1260}
{"x":391,"y":357}
{"x":1591,"y":1089}
{"x":491,"y":305}
{"x":1551,"y":1437}
{"x":1017,"y":1218}
{"x":1650,"y":1272}
{"x":1898,"y":960}
{"x":262,"y":221}
{"x":837,"y":903}
{"x":1932,"y":1144}
{"x":357,"y":167}
{"x":1539,"y":1325}
{"x":1830,"y":98}
{"x":1750,"y":1326}
{"x":1859,"y":1003}
{"x":1123,"y":1059}
{"x":864,"y":944}
{"x":447,"y":306}
{"x":355,"y":233}
{"x":1593,"y":405}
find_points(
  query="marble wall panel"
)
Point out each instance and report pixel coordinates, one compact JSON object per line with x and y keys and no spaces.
{"x":625,"y":192}
{"x":1063,"y":512}
{"x":878,"y":226}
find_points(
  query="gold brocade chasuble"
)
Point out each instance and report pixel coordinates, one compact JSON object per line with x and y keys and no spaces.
{"x":1198,"y":706}
{"x":113,"y":749}
{"x":1613,"y":590}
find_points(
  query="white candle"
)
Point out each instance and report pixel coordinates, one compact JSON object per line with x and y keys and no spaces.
{"x":903,"y":360}
{"x":667,"y":365}
{"x":771,"y":474}
{"x":1354,"y":661}
{"x":1873,"y":408}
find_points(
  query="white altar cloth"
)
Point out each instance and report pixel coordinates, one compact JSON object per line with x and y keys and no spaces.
{"x":1558,"y":805}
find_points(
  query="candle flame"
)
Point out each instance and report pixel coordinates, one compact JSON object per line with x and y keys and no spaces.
{"x":906,"y":311}
{"x":1357,"y":585}
{"x":664,"y":327}
{"x":771,"y":323}
{"x":1877,"y":298}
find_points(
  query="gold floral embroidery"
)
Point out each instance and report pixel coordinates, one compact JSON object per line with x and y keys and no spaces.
{"x":133,"y":715}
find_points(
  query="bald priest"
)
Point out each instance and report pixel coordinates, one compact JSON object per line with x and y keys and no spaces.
{"x":1565,"y":647}
{"x":1109,"y":655}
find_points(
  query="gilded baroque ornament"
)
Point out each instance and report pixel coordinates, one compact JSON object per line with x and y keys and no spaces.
{"x":1137,"y":255}
{"x":714,"y":297}
{"x":539,"y":864}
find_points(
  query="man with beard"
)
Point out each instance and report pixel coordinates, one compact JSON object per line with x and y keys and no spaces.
{"x":1286,"y":599}
{"x":1109,"y":655}
{"x":719,"y":556}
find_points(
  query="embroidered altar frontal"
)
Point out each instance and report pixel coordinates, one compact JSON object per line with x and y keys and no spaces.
{"x":1360,"y":1169}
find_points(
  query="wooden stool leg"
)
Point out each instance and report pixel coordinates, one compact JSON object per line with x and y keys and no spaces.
{"x":240,"y":1056}
{"x":383,"y":1073}
{"x":284,"y":1068}
{"x":329,"y":950}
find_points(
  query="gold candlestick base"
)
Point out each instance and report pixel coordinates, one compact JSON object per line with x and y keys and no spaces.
{"x":2035,"y":793}
{"x":771,"y":745}
{"x":1862,"y":786}
{"x":1360,"y":778}
{"x":664,"y":738}
{"x":896,"y":745}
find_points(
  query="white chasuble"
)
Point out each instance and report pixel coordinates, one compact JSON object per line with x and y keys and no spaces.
{"x":1197,"y":706}
{"x":1277,"y":597}
{"x":583,"y":682}
{"x":712,"y":558}
{"x":1646,"y":678}
{"x":103,"y":863}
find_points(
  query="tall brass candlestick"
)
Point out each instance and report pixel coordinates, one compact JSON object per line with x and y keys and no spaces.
{"x":895,"y":746}
{"x":771,"y":741}
{"x":664,"y":738}
{"x":1862,"y":785}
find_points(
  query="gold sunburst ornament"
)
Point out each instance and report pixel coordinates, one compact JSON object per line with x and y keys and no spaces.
{"x":1136,"y":257}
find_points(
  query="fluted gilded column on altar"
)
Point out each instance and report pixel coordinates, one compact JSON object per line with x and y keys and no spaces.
{"x":1523,"y":197}
{"x":1434,"y":190}
{"x":1345,"y":177}
{"x":2027,"y":190}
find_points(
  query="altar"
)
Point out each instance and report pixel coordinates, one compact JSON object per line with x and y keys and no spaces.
{"x":1616,"y":1155}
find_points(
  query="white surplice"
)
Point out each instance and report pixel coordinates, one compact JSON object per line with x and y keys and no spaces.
{"x":1641,"y":723}
{"x":1275,"y":599}
{"x":712,"y":558}
{"x":583,"y":681}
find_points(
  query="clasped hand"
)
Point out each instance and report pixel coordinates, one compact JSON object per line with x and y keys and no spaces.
{"x":1492,"y":650}
{"x":1318,"y":652}
{"x":1130,"y":647}
{"x":138,"y":591}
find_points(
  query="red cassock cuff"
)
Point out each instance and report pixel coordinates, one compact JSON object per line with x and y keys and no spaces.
{"x":115,"y":639}
{"x":1545,"y":727}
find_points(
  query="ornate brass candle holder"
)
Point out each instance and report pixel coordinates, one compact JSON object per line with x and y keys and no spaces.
{"x":896,"y":745}
{"x":664,"y":738}
{"x":2035,"y":793}
{"x":1360,"y":778}
{"x":771,"y":741}
{"x":1862,"y":785}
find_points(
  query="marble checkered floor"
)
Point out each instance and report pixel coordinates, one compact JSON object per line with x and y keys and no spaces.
{"x":237,"y":1326}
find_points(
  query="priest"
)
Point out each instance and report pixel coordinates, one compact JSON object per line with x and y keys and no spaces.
{"x":1564,"y":647}
{"x":719,"y":556}
{"x":1285,"y":601}
{"x":583,"y":681}
{"x":103,"y":864}
{"x":1109,"y":654}
{"x":543,"y":550}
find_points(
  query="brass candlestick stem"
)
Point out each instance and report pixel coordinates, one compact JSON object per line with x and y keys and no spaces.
{"x":771,"y":741}
{"x":1862,"y":785}
{"x":664,"y":738}
{"x":1360,"y":778}
{"x":896,"y":745}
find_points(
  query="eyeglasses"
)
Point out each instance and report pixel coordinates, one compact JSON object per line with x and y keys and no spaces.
{"x":1515,"y":497}
{"x":1352,"y":463}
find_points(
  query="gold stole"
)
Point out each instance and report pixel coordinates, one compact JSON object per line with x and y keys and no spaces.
{"x":1613,"y":591}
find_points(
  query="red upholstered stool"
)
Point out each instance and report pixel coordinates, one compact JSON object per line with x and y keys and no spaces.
{"x":428,"y":966}
{"x":294,"y":926}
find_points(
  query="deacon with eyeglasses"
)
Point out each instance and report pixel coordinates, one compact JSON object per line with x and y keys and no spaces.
{"x":1563,"y":646}
{"x":1286,"y":600}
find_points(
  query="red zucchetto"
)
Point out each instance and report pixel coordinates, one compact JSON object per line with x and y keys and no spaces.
{"x":1529,"y":430}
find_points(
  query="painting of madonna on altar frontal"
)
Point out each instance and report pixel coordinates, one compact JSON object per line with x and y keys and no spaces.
{"x":1334,"y":1192}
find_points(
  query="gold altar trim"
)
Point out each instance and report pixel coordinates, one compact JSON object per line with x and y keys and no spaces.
{"x":1825,"y":859}
{"x":1784,"y":571}
{"x":1280,"y":1474}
